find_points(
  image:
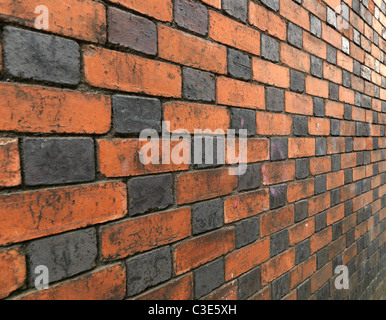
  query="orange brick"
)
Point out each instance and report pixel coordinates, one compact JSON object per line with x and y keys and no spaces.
{"x":321,"y":277}
{"x":264,"y":294}
{"x":335,"y":145}
{"x":121,"y":158}
{"x":81,"y":19}
{"x":331,"y":36}
{"x":12,"y":271}
{"x":314,"y":45}
{"x":228,"y":291}
{"x":45,"y":110}
{"x":318,"y":8}
{"x":319,"y":203}
{"x":335,"y":214}
{"x":267,"y":21}
{"x":245,"y":205}
{"x":159,"y":9}
{"x":277,"y":266}
{"x":142,"y":234}
{"x":335,"y":179}
{"x":120,"y":71}
{"x":270,"y":73}
{"x":295,"y":13}
{"x":276,"y":220}
{"x":294,"y":58}
{"x":336,"y":247}
{"x":202,"y":185}
{"x":234,"y":34}
{"x":213,"y":3}
{"x":301,"y":147}
{"x":347,"y":192}
{"x":191,"y":51}
{"x":240,"y":94}
{"x":301,"y":231}
{"x":317,"y":87}
{"x":243,"y":260}
{"x":347,"y":128}
{"x":300,"y":189}
{"x":332,"y":73}
{"x":200,"y":250}
{"x":302,"y":271}
{"x":35,"y":214}
{"x":320,"y":165}
{"x":108,"y":283}
{"x":320,"y":239}
{"x":344,"y":61}
{"x":319,"y":126}
{"x":10,"y":174}
{"x":348,"y":160}
{"x":334,"y":109}
{"x":277,"y":172}
{"x":273,"y":124}
{"x":192,"y":116}
{"x":257,"y":150}
{"x":297,"y":103}
{"x":179,"y":289}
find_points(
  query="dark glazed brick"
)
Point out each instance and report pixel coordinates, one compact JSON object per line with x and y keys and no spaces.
{"x":208,"y":278}
{"x":249,"y":283}
{"x":55,"y":161}
{"x":207,"y":216}
{"x":295,"y":35}
{"x":247,"y":231}
{"x":333,"y":91}
{"x":297,"y":82}
{"x":302,"y":251}
{"x":274,"y":99}
{"x":147,"y":270}
{"x":302,"y":168}
{"x":279,"y":242}
{"x":346,"y":79}
{"x":335,"y":127}
{"x":320,"y":146}
{"x":269,"y":48}
{"x":320,"y":221}
{"x":198,"y":85}
{"x":134,"y":114}
{"x":279,"y":148}
{"x":348,"y":176}
{"x":324,"y":292}
{"x":131,"y":31}
{"x":347,"y":112}
{"x":322,"y":257}
{"x":150,"y":193}
{"x":318,"y":107}
{"x":273,"y":4}
{"x":316,"y":67}
{"x":32,"y":55}
{"x":335,"y":197}
{"x":250,"y":179}
{"x":236,"y":8}
{"x":239,"y":65}
{"x":244,"y":119}
{"x":280,"y":287}
{"x":301,"y":210}
{"x":300,"y":124}
{"x":191,"y":15}
{"x":336,"y":230}
{"x":315,"y":26}
{"x":320,"y":184}
{"x":277,"y":196}
{"x":64,"y":255}
{"x":335,"y":162}
{"x":304,"y":290}
{"x":349,"y":144}
{"x":331,"y":54}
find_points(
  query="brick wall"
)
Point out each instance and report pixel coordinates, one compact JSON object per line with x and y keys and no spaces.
{"x":307,"y":83}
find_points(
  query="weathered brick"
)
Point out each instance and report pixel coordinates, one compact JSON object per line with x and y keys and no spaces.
{"x":279,"y":242}
{"x":239,"y":65}
{"x":36,"y":56}
{"x":208,"y":215}
{"x":269,"y":48}
{"x":250,"y":179}
{"x":273,"y":124}
{"x":191,"y":15}
{"x":297,"y":82}
{"x":236,"y":8}
{"x":247,"y":231}
{"x":10,"y":174}
{"x":57,"y":161}
{"x":150,"y":193}
{"x":208,"y":278}
{"x":274,"y":99}
{"x":159,"y":9}
{"x":13,"y":271}
{"x":64,"y":255}
{"x":244,"y":119}
{"x":277,"y":196}
{"x":280,"y":287}
{"x":131,"y":31}
{"x":147,"y":270}
{"x":279,"y":148}
{"x":295,"y":35}
{"x":249,"y":283}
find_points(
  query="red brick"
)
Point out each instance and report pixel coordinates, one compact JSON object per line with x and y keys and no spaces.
{"x":320,"y":239}
{"x":301,"y":231}
{"x":334,"y":109}
{"x":159,"y":9}
{"x":319,"y":203}
{"x":335,"y":180}
{"x":320,"y":165}
{"x":35,"y":109}
{"x":202,"y":185}
{"x":302,"y":271}
{"x":335,"y":145}
{"x":317,"y":87}
{"x":12,"y":271}
{"x":183,"y":48}
{"x":319,"y":126}
{"x":34,"y":214}
{"x":240,"y":94}
{"x":81,"y":19}
{"x":234,"y":34}
{"x":120,"y":71}
{"x":294,"y":58}
{"x":200,"y":250}
{"x":245,"y":205}
{"x":107,"y":283}
{"x":297,"y":103}
{"x":314,"y":45}
{"x":132,"y":236}
{"x":277,"y":266}
{"x":276,"y":220}
{"x":270,"y":73}
{"x":295,"y":13}
{"x":273,"y":124}
{"x":321,"y":277}
{"x":243,"y":260}
{"x":335,"y":214}
{"x":226,"y":292}
{"x":301,"y":147}
{"x":300,"y":189}
{"x":10,"y":174}
{"x":277,"y":172}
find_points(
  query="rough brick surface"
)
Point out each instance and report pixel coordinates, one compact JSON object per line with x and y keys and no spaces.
{"x":116,"y":212}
